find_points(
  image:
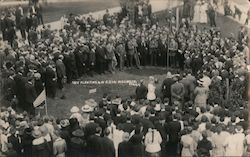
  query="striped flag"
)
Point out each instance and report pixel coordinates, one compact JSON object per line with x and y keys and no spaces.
{"x":40,"y":100}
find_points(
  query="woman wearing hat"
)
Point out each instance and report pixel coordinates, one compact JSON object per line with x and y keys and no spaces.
{"x":59,"y":145}
{"x":77,"y":144}
{"x":201,"y":95}
{"x":188,"y":144}
{"x":39,"y":145}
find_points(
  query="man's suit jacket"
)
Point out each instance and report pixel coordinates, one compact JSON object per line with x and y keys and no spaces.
{"x":166,"y":86}
{"x":30,"y":93}
{"x":60,"y":69}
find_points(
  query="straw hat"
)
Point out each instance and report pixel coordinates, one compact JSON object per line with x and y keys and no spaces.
{"x":36,"y":133}
{"x":74,"y":109}
{"x":87,"y":108}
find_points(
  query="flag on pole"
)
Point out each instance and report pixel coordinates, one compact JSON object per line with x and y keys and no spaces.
{"x":41,"y":99}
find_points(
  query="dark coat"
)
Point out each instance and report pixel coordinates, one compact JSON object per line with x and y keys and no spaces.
{"x":173,"y":130}
{"x":100,"y":54}
{"x":203,"y":148}
{"x":26,"y":143}
{"x":119,"y":120}
{"x":124,"y":149}
{"x":60,"y":69}
{"x":90,"y":129}
{"x":30,"y":93}
{"x":40,"y":148}
{"x":108,"y":148}
{"x":94,"y":146}
{"x":77,"y":147}
{"x":49,"y":76}
{"x":141,"y":92}
{"x":15,"y":142}
{"x":128,"y":127}
{"x":166,"y":87}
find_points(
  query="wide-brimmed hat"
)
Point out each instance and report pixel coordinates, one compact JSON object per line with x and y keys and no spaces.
{"x":91,"y":102}
{"x":36,"y":133}
{"x":87,"y":108}
{"x":74,"y":109}
{"x":78,"y":133}
{"x":64,"y":123}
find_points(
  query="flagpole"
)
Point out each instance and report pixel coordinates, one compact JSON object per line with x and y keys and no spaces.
{"x":46,"y":107}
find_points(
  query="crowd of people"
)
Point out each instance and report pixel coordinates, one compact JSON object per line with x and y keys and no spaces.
{"x":201,"y":110}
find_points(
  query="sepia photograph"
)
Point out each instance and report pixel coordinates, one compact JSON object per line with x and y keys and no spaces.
{"x":124,"y":78}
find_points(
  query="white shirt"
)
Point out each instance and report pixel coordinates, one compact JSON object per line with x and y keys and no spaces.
{"x":234,"y":144}
{"x":152,"y":141}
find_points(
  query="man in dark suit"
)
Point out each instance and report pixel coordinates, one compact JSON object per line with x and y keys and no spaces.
{"x":173,"y":130}
{"x":94,"y":144}
{"x":166,"y":86}
{"x":81,"y":56}
{"x":141,"y":91}
{"x":20,"y":81}
{"x":60,"y":71}
{"x":3,"y":26}
{"x":108,"y":148}
{"x":101,"y":57}
{"x":124,"y":146}
{"x":10,"y":87}
{"x":14,"y":139}
{"x":90,"y":128}
{"x":10,"y":27}
{"x":50,"y":81}
{"x":128,"y":126}
{"x":22,"y":26}
{"x":30,"y":96}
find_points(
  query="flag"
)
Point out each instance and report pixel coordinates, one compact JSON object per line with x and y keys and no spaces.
{"x":40,"y":99}
{"x":91,"y":91}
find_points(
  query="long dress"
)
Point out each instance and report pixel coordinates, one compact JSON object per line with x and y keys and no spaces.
{"x":218,"y":140}
{"x":203,"y":13}
{"x":200,"y":13}
{"x":151,"y":92}
{"x":201,"y":96}
{"x":197,"y":8}
{"x":188,"y":145}
{"x":234,"y":144}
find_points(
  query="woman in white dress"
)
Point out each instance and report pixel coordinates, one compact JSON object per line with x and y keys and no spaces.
{"x":200,"y":12}
{"x":188,"y":143}
{"x":151,"y":89}
{"x":197,"y":7}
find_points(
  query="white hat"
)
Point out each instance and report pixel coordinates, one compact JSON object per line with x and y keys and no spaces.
{"x":37,"y":75}
{"x":74,"y":109}
{"x":90,"y":102}
{"x":87,"y":108}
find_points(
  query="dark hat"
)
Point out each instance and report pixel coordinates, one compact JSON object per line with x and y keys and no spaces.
{"x":28,"y":131}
